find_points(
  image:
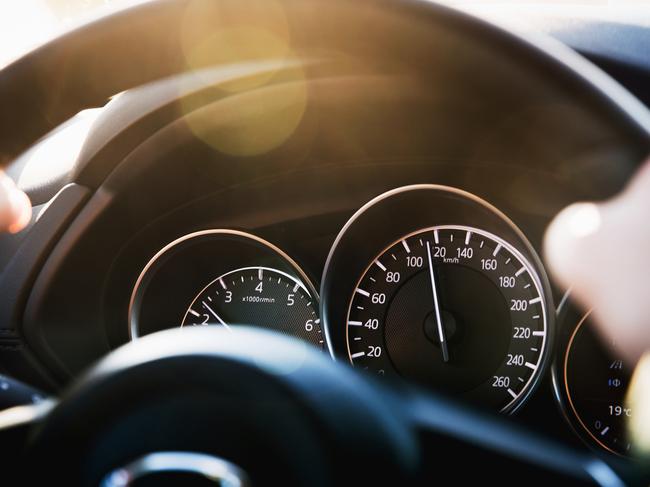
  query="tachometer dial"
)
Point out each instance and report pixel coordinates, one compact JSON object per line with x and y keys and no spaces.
{"x":225,"y":278}
{"x":258,"y":296}
{"x":453,"y":308}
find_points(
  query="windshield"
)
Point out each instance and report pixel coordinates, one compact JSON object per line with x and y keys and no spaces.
{"x":27,"y":23}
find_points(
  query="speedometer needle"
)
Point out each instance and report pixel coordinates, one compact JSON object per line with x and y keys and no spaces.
{"x":216,"y":315}
{"x":436,"y":307}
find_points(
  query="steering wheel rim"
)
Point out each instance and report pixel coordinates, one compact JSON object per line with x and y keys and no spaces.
{"x":342,"y":428}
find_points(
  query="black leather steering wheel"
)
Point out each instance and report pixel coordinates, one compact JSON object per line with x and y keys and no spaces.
{"x":268,"y":408}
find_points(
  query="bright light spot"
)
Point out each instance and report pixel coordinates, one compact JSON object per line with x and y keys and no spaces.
{"x":257,"y":111}
{"x":284,"y":361}
{"x":52,"y":157}
{"x":583,"y":219}
{"x":216,"y":34}
{"x":234,"y":46}
{"x":263,"y":121}
{"x":23,"y":25}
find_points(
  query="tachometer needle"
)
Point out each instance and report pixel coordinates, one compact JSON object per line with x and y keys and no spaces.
{"x":216,"y":315}
{"x":436,"y":307}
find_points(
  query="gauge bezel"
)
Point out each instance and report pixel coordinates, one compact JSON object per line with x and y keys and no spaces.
{"x":404,"y":211}
{"x":257,"y":245}
{"x":565,"y":364}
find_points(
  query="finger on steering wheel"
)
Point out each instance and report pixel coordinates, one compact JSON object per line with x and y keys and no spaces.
{"x":15,"y":208}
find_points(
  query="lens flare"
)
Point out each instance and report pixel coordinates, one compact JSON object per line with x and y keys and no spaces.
{"x":256,"y":112}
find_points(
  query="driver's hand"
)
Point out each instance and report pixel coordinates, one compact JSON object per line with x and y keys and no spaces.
{"x":601,"y":251}
{"x":15,"y":208}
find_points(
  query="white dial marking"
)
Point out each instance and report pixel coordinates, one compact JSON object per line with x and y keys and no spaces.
{"x":436,"y":307}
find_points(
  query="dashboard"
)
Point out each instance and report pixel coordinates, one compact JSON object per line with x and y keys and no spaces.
{"x":393,"y":222}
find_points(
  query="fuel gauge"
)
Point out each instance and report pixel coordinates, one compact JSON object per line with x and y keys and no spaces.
{"x":596,"y":380}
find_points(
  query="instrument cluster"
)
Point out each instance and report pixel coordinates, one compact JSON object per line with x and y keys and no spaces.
{"x":427,"y":284}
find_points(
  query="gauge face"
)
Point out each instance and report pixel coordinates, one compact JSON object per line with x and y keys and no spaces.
{"x":453,"y":308}
{"x":225,"y":278}
{"x":596,"y":381}
{"x":258,"y":296}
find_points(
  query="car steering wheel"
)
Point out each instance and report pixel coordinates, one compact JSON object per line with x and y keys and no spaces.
{"x":209,"y":407}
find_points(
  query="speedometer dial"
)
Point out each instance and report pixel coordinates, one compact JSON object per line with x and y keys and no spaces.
{"x":454,"y":308}
{"x":435,"y":286}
